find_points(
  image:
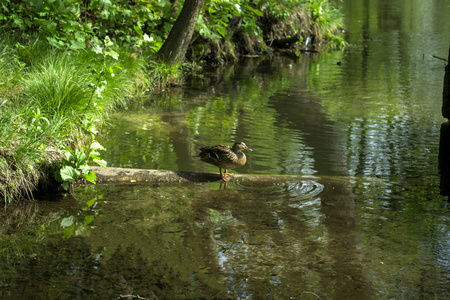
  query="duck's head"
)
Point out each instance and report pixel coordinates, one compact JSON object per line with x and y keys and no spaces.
{"x":239,"y":146}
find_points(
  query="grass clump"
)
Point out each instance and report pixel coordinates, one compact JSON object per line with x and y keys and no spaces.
{"x":56,"y":87}
{"x":51,"y":104}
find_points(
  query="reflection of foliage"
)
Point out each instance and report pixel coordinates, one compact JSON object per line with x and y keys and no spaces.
{"x":232,"y":111}
{"x":141,"y":140}
{"x":245,"y":113}
{"x":75,"y":225}
{"x":404,"y":228}
{"x":217,"y":118}
{"x":197,"y":242}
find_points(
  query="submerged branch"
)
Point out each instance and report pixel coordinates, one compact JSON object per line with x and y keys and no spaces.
{"x":437,"y":57}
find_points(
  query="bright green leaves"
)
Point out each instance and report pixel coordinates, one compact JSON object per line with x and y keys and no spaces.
{"x":78,"y":25}
{"x":75,"y":164}
{"x":142,"y":24}
{"x":217,"y":15}
{"x":105,"y":72}
{"x":325,"y":15}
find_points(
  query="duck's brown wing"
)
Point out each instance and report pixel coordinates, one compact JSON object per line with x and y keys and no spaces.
{"x":217,"y":153}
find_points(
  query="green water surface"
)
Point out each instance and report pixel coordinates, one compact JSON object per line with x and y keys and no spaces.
{"x":369,"y":223}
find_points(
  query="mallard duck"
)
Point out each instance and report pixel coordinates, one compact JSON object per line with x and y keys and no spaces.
{"x":225,"y":157}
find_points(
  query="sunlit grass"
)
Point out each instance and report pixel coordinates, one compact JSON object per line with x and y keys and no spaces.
{"x":163,"y":74}
{"x":57,"y":87}
{"x":51,"y":100}
{"x":48,"y":102}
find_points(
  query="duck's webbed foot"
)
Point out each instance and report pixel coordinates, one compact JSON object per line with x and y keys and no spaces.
{"x":226,"y":176}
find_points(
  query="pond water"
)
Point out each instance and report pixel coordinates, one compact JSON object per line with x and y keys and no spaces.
{"x":370,"y":219}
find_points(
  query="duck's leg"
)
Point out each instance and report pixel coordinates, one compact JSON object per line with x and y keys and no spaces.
{"x":226,"y":176}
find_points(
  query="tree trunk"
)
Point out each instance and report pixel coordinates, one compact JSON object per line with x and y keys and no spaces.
{"x":446,"y":93}
{"x":175,"y":47}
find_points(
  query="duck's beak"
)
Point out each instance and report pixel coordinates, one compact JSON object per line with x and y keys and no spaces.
{"x":248,"y":149}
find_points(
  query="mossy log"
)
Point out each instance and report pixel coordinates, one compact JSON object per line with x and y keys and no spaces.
{"x":128,"y":175}
{"x":142,"y":176}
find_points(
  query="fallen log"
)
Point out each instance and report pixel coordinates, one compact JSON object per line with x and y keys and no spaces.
{"x":140,"y":176}
{"x":130,"y":176}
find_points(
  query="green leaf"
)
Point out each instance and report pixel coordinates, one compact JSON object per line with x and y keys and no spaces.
{"x":91,"y":177}
{"x":255,"y":11}
{"x":112,"y":53}
{"x":100,"y":162}
{"x":55,"y":43}
{"x":68,"y":156}
{"x":84,"y":168}
{"x":58,"y":176}
{"x":88,"y":219}
{"x":108,"y":42}
{"x":97,"y":49}
{"x":80,"y":157}
{"x":96,"y":146}
{"x":138,"y":30}
{"x":69,"y":173}
{"x":68,"y":232}
{"x":221,"y":30}
{"x":90,"y":203}
{"x":66,"y":185}
{"x":67,"y":222}
{"x":77,"y":45}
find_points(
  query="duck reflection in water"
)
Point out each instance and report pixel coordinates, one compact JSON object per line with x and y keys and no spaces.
{"x":225,"y":157}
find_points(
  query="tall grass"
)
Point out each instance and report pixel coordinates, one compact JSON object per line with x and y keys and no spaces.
{"x":51,"y":100}
{"x":163,"y":74}
{"x":18,"y":153}
{"x":56,"y":86}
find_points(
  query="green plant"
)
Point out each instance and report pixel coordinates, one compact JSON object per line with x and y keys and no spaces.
{"x":163,"y":74}
{"x":217,"y":14}
{"x":107,"y":71}
{"x":336,"y":42}
{"x":79,"y":25}
{"x":75,"y":164}
{"x":325,"y":15}
{"x":57,"y":86}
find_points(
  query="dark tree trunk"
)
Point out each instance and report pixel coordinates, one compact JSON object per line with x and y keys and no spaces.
{"x":175,"y":47}
{"x":446,"y":93}
{"x":444,"y":143}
